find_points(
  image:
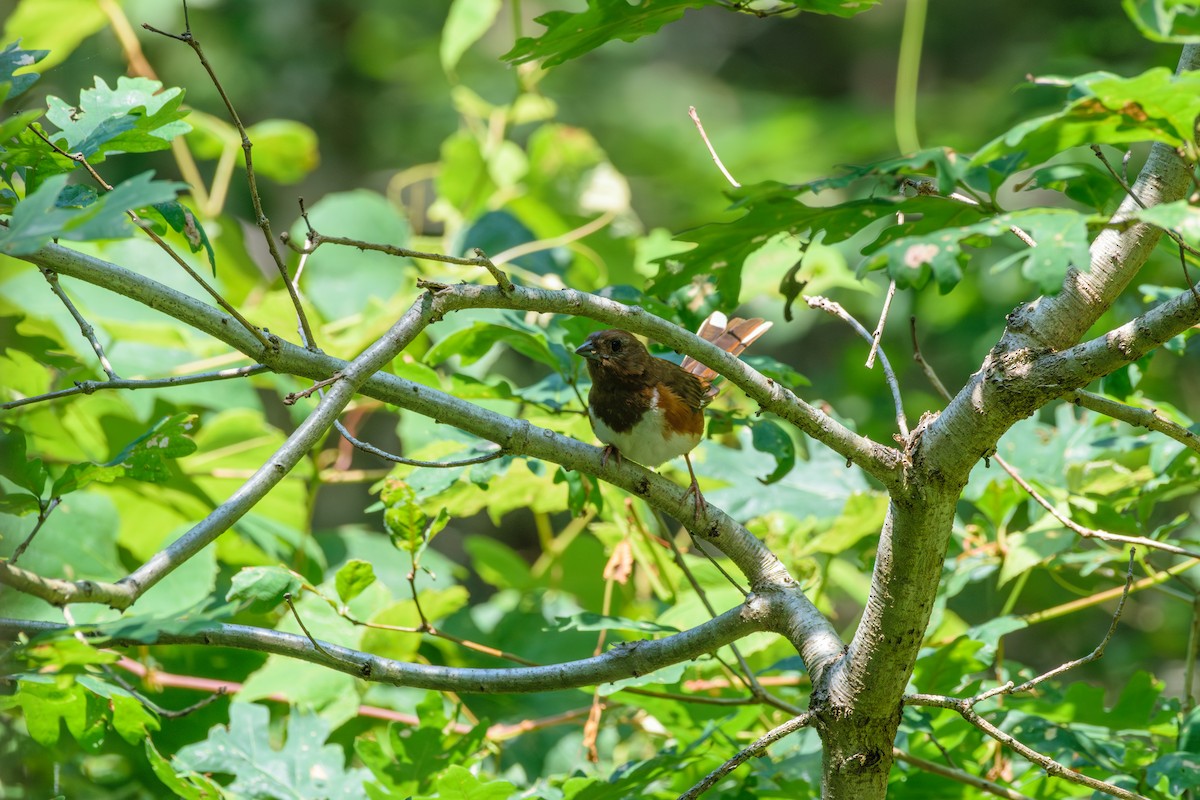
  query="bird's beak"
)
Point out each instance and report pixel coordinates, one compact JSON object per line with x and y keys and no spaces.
{"x":588,"y":351}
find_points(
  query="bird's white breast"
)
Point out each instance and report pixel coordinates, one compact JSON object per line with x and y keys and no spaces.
{"x":645,"y":442}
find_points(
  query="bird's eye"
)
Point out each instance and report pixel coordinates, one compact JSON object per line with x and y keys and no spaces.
{"x":615,"y":345}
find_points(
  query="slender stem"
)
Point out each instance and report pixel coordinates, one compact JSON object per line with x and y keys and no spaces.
{"x":908,"y":69}
{"x":712,"y":150}
{"x":43,"y":514}
{"x":85,"y":328}
{"x":761,"y":744}
{"x":831,"y":307}
{"x":1190,"y":657}
{"x":883,"y":315}
{"x":89,"y":387}
{"x":260,"y":216}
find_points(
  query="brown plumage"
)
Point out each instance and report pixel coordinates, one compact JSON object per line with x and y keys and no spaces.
{"x":652,"y":410}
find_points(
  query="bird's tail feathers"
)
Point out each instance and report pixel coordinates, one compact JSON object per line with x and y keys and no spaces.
{"x":731,"y":335}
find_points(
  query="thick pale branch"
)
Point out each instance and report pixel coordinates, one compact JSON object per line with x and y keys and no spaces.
{"x":1080,"y":365}
{"x":624,"y":660}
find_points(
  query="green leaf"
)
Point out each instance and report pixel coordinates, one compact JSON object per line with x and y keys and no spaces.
{"x":770,"y":438}
{"x":1061,"y":235}
{"x":582,"y":490}
{"x":588,"y":621}
{"x":147,"y":458}
{"x":51,"y":213}
{"x":498,"y":564}
{"x":457,"y":783}
{"x":182,"y":220}
{"x":49,"y":704}
{"x":722,"y":248}
{"x":13,"y":58}
{"x":185,"y":784}
{"x":305,"y":767}
{"x":1085,"y":183}
{"x":569,"y":35}
{"x":409,"y":759}
{"x":1179,"y":216}
{"x":57,"y":25}
{"x":353,"y":579}
{"x":284,"y":150}
{"x":28,"y":473}
{"x":947,"y":669}
{"x":402,"y":516}
{"x":1155,"y":106}
{"x":1180,"y":770}
{"x":262,"y":588}
{"x":138,"y":116}
{"x":473,"y":343}
{"x":466,"y":23}
{"x":1171,"y":21}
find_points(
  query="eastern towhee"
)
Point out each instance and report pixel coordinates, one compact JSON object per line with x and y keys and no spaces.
{"x":651,"y":410}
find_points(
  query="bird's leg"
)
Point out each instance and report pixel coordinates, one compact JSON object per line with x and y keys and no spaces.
{"x":610,"y":450}
{"x":694,"y":489}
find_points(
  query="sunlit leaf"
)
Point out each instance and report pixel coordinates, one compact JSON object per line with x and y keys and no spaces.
{"x":262,"y":588}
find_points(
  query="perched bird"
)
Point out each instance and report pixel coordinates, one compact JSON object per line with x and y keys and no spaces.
{"x":651,"y":410}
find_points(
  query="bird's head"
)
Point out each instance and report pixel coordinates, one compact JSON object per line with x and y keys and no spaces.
{"x":614,"y":354}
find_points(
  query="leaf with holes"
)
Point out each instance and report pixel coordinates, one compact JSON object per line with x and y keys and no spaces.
{"x":306,"y":766}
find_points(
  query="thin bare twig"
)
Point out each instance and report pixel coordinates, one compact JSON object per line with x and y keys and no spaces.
{"x":89,"y":387}
{"x":761,"y":744}
{"x":287,"y":598}
{"x":290,"y":398}
{"x":367,"y":447}
{"x":878,"y":333}
{"x":1148,"y":418}
{"x":264,"y":223}
{"x":44,"y":510}
{"x":314,"y":239}
{"x":834,"y":308}
{"x":165,"y":713}
{"x":85,"y":327}
{"x":932,"y":377}
{"x":712,"y":150}
{"x":1085,"y":532}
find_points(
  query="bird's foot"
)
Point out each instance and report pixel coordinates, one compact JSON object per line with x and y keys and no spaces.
{"x":610,"y":452}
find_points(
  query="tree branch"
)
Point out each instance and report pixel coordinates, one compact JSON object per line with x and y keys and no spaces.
{"x":812,"y":634}
{"x":1116,"y":255}
{"x":1148,"y":418}
{"x":624,"y":660}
